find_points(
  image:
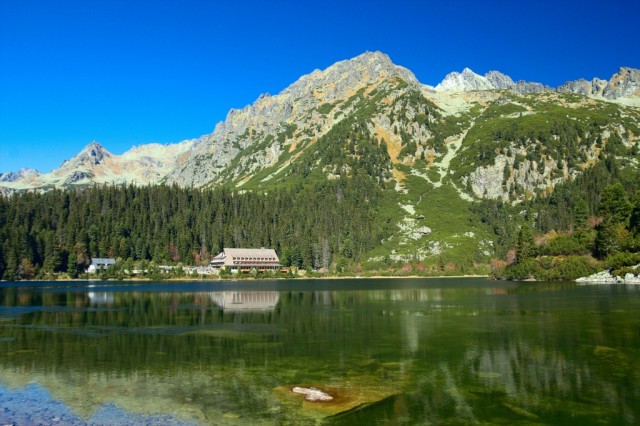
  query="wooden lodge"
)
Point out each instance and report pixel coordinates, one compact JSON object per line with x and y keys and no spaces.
{"x":244,"y":260}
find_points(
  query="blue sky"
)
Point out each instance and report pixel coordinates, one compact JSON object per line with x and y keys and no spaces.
{"x":127,"y":72}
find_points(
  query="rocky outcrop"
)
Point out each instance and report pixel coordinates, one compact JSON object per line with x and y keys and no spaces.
{"x":498,"y":80}
{"x":493,"y":80}
{"x":465,"y":81}
{"x":91,"y":155}
{"x":21,"y":174}
{"x":77,"y":176}
{"x":623,"y":84}
{"x":301,"y":106}
{"x":529,"y":177}
{"x":594,"y":87}
{"x":274,"y":130}
{"x":143,"y":165}
{"x":605,"y":277}
{"x":525,"y":87}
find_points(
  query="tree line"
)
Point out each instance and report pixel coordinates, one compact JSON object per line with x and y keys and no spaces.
{"x":310,"y":226}
{"x":587,"y":224}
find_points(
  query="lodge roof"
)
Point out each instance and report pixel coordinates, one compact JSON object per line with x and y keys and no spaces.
{"x":103,"y":261}
{"x":235,"y":256}
{"x":251,"y":253}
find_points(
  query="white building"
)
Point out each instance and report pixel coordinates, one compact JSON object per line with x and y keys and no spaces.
{"x":100,"y":263}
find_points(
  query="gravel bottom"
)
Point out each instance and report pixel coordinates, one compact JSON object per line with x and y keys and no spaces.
{"x":33,"y":405}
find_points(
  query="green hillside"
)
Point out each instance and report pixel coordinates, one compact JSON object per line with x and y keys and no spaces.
{"x":402,"y":181}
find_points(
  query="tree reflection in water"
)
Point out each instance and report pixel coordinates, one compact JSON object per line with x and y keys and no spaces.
{"x":467,"y":350}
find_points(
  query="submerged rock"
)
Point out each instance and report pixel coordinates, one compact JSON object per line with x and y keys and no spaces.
{"x":361,"y":391}
{"x":313,"y":394}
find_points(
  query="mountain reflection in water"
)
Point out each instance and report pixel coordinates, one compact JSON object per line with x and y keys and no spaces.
{"x":468,"y":351}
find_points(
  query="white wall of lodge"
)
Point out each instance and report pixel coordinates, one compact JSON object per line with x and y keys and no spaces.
{"x":100,"y":263}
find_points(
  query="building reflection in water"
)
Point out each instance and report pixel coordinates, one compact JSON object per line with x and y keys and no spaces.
{"x":245,"y":300}
{"x":101,"y":298}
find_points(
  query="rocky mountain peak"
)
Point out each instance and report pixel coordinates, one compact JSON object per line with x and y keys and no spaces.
{"x":364,"y":69}
{"x":277,"y":129}
{"x":498,"y":80}
{"x":623,"y":84}
{"x":95,"y":152}
{"x":465,"y":81}
{"x":298,"y":106}
{"x":493,"y":80}
{"x":21,"y":174}
{"x":91,"y":155}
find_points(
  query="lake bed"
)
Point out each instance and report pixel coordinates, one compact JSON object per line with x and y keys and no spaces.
{"x":441,"y":351}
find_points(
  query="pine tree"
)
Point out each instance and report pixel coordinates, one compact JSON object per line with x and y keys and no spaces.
{"x":607,"y":239}
{"x":634,"y":221}
{"x":581,"y":215}
{"x":614,"y":204}
{"x":525,"y":245}
{"x":72,"y":265}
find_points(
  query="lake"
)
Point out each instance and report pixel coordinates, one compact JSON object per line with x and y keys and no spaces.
{"x":389,"y":351}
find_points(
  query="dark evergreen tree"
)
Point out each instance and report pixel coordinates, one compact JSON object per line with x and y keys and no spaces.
{"x":607,"y":239}
{"x":526,"y":246}
{"x":614,"y":205}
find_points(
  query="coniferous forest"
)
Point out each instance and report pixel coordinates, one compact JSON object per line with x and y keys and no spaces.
{"x":587,"y":224}
{"x":60,"y":231}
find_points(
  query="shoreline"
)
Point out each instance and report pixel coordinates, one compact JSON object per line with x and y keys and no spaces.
{"x":252,"y":279}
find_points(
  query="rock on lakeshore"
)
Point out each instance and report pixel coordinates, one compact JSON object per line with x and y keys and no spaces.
{"x":605,"y":277}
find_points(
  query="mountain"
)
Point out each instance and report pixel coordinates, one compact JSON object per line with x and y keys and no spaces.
{"x":257,"y":136}
{"x":436,"y":155}
{"x":493,"y":80}
{"x":624,"y":84}
{"x":142,"y":165}
{"x":275,"y":130}
{"x":22,"y":174}
{"x":466,"y":81}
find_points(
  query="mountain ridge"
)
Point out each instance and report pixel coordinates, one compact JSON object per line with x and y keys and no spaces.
{"x":299,"y":115}
{"x":436,"y":174}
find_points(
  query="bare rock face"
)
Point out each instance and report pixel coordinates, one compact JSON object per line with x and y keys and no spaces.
{"x":77,"y":176}
{"x":466,"y":81}
{"x":486,"y":182}
{"x":269,"y":117}
{"x":524,"y":87}
{"x":498,"y":80}
{"x":493,"y":80}
{"x":92,"y":154}
{"x":502,"y":82}
{"x":94,"y":164}
{"x":21,"y":174}
{"x":274,"y":130}
{"x":625,"y":83}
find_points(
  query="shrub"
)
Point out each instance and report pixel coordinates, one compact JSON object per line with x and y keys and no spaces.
{"x":526,"y":269}
{"x":569,"y":268}
{"x":567,"y":245}
{"x":621,"y":260}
